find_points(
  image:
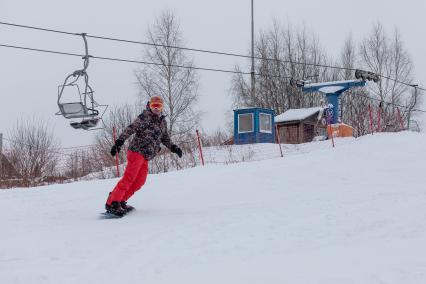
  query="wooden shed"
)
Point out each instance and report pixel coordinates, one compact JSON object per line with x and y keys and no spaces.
{"x":297,"y":126}
{"x":6,"y":168}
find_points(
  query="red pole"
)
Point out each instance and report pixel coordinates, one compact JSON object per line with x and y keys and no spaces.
{"x":400,"y":120}
{"x":116,"y":156}
{"x":371,"y":120}
{"x":199,"y":148}
{"x":378,"y":120}
{"x":278,"y":139}
{"x":330,"y":130}
{"x":393,"y":114}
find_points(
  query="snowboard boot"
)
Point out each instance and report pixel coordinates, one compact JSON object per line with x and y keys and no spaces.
{"x":115,"y":209}
{"x":126,"y":207}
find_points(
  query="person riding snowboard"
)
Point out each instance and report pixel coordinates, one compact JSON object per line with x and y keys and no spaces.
{"x":150,"y":130}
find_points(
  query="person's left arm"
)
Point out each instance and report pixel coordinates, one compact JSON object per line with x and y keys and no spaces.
{"x":165,"y":139}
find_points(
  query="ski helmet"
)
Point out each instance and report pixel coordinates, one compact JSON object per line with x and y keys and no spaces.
{"x":156,"y":102}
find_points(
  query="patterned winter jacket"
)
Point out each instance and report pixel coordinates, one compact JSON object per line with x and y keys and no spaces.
{"x":150,"y":131}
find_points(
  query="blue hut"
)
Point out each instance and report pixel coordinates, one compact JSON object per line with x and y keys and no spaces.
{"x":254,"y":125}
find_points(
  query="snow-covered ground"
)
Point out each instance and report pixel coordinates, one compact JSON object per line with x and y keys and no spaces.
{"x":352,"y":214}
{"x":421,"y":120}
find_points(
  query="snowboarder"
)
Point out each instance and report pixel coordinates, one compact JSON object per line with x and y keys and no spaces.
{"x":150,"y":130}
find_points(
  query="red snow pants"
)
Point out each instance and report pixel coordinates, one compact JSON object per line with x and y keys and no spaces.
{"x":134,"y":178}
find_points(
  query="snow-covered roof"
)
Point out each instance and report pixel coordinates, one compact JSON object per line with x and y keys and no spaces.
{"x":332,"y":87}
{"x":248,"y":108}
{"x":297,"y":114}
{"x":333,"y":83}
{"x":240,"y":108}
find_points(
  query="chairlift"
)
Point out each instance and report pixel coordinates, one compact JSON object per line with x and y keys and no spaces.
{"x":367,"y":76}
{"x":87,"y":114}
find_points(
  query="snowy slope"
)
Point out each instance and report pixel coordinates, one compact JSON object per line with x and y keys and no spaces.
{"x":352,"y":214}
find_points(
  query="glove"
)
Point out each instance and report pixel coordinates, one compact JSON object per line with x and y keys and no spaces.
{"x":116,"y":147}
{"x":175,"y":149}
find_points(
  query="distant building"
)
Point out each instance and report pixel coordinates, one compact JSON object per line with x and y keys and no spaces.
{"x":6,"y":169}
{"x":253,"y":125}
{"x":297,"y":126}
{"x":9,"y":177}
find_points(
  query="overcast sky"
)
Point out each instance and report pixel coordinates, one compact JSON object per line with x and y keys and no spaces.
{"x":29,"y":80}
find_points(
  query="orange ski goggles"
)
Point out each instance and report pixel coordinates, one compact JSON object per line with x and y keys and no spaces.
{"x":156,"y":102}
{"x":156,"y":105}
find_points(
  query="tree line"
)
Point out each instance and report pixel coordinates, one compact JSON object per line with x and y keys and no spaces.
{"x":285,"y":52}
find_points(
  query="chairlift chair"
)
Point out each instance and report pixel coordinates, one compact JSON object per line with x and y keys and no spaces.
{"x":87,"y":114}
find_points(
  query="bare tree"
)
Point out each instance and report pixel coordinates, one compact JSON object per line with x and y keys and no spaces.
{"x":216,"y":139}
{"x":354,"y":102}
{"x":388,"y":58}
{"x":81,"y":163}
{"x":119,"y":117}
{"x":284,"y":53}
{"x":32,"y":151}
{"x":177,"y":86}
{"x":348,"y":58}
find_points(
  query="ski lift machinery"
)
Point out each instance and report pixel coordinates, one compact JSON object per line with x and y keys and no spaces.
{"x":83,"y":107}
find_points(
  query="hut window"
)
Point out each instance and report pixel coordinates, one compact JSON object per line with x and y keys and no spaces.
{"x":265,"y":123}
{"x":245,"y":123}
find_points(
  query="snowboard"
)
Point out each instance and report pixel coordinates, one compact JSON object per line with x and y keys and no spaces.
{"x":106,"y":215}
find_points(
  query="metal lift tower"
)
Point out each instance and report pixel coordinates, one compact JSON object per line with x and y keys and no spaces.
{"x":332,"y":91}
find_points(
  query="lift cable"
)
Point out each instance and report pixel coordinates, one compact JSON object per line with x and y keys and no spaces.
{"x":143,"y":62}
{"x":207,"y":51}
